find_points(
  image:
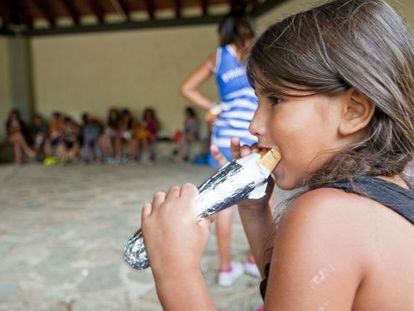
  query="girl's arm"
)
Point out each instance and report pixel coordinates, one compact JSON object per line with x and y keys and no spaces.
{"x":189,"y":88}
{"x":184,"y":289}
{"x":175,"y":241}
{"x":258,"y":225}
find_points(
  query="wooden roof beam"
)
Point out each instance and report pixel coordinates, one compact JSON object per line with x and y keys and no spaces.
{"x":97,"y":10}
{"x":6,"y":16}
{"x":150,"y":9}
{"x":237,"y":5}
{"x":15,"y":15}
{"x":14,"y":7}
{"x":27,"y":17}
{"x":204,"y":7}
{"x":46,"y":11}
{"x":125,"y":8}
{"x":177,"y":8}
{"x":232,"y":4}
{"x":72,"y":10}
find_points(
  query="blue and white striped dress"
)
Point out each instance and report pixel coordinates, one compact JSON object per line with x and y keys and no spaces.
{"x":238,"y":100}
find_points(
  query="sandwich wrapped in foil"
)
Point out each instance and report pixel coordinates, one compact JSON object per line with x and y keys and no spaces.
{"x":238,"y":180}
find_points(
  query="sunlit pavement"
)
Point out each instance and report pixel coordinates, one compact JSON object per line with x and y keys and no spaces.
{"x":63,"y":228}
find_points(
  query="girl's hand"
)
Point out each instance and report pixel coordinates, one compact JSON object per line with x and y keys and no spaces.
{"x":238,"y":152}
{"x":174,"y":237}
{"x":213,"y":113}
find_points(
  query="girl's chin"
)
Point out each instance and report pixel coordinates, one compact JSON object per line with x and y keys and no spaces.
{"x":282,"y":181}
{"x":285,"y":186}
{"x":278,"y":173}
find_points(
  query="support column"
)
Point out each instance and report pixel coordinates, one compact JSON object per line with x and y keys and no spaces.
{"x":21,"y":84}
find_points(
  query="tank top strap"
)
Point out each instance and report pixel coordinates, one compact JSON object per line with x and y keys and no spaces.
{"x":397,"y":198}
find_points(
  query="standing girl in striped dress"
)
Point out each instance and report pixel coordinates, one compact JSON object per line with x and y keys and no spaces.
{"x":230,"y":119}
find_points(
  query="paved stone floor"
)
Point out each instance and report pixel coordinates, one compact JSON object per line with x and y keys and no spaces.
{"x":63,"y":228}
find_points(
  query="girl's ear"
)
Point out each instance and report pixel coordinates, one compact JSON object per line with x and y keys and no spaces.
{"x":357,"y":112}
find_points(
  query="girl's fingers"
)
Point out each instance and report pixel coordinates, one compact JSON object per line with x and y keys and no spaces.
{"x":255,"y":148}
{"x":245,"y":151}
{"x":188,"y":191}
{"x":235,"y":148}
{"x":158,"y":199}
{"x":218,"y":156}
{"x":173,"y":193}
{"x":146,"y":210}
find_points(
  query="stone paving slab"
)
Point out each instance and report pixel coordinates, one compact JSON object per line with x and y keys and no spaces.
{"x":63,"y":228}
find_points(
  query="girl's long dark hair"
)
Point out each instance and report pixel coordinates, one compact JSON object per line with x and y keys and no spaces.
{"x":362,"y":44}
{"x":236,"y":28}
{"x":329,"y":49}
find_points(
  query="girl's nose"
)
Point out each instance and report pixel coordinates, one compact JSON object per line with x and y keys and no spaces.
{"x":258,"y":125}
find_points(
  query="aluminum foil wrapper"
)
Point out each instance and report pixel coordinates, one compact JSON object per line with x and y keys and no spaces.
{"x":134,"y":252}
{"x":230,"y":185}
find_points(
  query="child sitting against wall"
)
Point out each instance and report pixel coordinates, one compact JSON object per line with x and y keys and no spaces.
{"x":108,"y":137}
{"x":151,"y":122}
{"x":91,"y":132}
{"x":123,"y":133}
{"x":69,"y":147}
{"x":18,"y":135}
{"x":40,"y":135}
{"x":152,"y":125}
{"x":141,"y":138}
{"x":189,"y":134}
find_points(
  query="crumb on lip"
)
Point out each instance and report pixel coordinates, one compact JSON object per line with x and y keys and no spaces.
{"x":263,"y":151}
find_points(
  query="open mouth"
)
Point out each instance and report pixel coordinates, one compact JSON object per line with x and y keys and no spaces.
{"x":263,"y":147}
{"x":267,"y":148}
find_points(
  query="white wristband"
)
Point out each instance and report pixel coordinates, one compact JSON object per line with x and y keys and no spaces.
{"x":216,"y":109}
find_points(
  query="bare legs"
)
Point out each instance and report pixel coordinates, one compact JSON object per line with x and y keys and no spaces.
{"x":73,"y":151}
{"x":61,"y":152}
{"x":136,"y":148}
{"x":19,"y":145}
{"x":183,"y":146}
{"x":118,"y":146}
{"x":107,"y":143}
{"x":17,"y":154}
{"x":224,"y":221}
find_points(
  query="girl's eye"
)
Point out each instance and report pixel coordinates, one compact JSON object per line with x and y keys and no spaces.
{"x":274,"y":100}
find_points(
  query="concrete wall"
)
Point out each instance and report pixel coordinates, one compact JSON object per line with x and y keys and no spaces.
{"x":5,"y":95}
{"x":133,"y":69}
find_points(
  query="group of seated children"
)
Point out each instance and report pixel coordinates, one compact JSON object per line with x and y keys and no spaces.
{"x":65,"y":140}
{"x":124,"y":132}
{"x":190,"y":133}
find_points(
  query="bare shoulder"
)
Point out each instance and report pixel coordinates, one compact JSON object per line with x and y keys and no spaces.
{"x":211,"y":59}
{"x":319,"y":251}
{"x":339,"y":245}
{"x":328,"y":209}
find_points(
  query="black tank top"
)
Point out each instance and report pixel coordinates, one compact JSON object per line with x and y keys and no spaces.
{"x":399,"y":199}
